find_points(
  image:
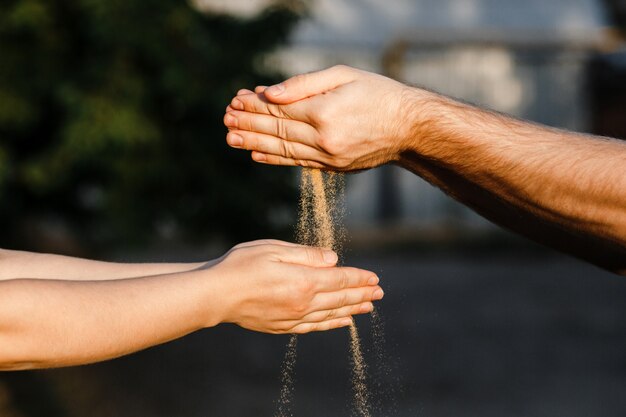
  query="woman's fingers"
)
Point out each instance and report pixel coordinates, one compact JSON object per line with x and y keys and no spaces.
{"x":338,"y":313}
{"x":342,"y":278}
{"x":347,"y":297}
{"x":320,"y":327}
{"x":290,"y":130}
{"x":261,"y":242}
{"x":308,"y":256}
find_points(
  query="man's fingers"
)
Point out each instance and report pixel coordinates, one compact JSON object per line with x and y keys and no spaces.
{"x":270,"y":159}
{"x":291,"y":130}
{"x":260,"y":142}
{"x":321,"y":327}
{"x":342,"y":278}
{"x":307,"y":85}
{"x":258,"y":103}
{"x":260,"y":89}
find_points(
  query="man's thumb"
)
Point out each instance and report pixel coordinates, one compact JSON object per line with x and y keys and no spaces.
{"x":307,"y":85}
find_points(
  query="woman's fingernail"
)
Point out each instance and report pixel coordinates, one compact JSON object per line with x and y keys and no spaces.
{"x":378,"y":294}
{"x":346,"y":322}
{"x":367,"y":307}
{"x":330,"y":257}
{"x":276,"y":90}
{"x":236,"y":104}
{"x":373,"y":280}
{"x":234,"y":139}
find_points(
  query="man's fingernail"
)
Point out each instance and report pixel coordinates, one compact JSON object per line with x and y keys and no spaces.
{"x":378,"y":294}
{"x":330,"y":257}
{"x":259,"y":157}
{"x":230,"y":120}
{"x":236,"y":104}
{"x":234,"y":139}
{"x":373,"y":280}
{"x":276,"y":90}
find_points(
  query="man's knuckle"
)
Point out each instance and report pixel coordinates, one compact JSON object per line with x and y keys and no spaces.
{"x":281,"y":130}
{"x":275,"y":111}
{"x":323,"y":116}
{"x":343,"y":299}
{"x":286,"y":149}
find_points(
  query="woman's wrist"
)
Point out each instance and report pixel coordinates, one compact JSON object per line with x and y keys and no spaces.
{"x":207,"y":296}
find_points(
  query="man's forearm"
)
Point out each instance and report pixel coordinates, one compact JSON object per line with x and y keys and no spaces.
{"x":19,"y":264}
{"x":559,"y":188}
{"x":562,"y":189}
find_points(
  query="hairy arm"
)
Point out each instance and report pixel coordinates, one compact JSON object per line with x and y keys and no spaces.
{"x":271,"y":287}
{"x":562,"y":189}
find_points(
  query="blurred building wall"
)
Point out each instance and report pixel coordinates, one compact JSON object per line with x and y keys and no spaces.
{"x":523,"y":58}
{"x":526,"y":58}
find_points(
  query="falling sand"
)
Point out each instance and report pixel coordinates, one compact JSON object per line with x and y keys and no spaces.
{"x":320,"y":213}
{"x":287,"y":379}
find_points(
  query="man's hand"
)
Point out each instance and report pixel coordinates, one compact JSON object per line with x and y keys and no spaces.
{"x":279,"y":287}
{"x":562,"y":189}
{"x":340,"y":118}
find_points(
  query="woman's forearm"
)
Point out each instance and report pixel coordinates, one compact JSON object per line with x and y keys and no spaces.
{"x":267,"y":286}
{"x":50,"y":323}
{"x":19,"y":264}
{"x":560,"y":188}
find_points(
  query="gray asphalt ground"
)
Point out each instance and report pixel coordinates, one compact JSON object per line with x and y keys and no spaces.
{"x":466,"y":335}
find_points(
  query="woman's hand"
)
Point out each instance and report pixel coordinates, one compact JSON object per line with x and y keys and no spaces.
{"x":280,"y":287}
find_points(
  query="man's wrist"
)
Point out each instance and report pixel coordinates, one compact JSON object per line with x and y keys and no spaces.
{"x":437,"y":128}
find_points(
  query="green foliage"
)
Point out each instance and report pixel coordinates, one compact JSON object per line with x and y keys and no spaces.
{"x":111,"y":120}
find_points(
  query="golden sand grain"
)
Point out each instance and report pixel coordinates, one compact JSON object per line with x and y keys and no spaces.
{"x":321,"y":208}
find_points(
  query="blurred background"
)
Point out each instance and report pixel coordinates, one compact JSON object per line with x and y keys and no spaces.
{"x":112,"y":147}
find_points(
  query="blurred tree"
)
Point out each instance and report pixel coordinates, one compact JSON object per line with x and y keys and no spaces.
{"x":111,"y":122}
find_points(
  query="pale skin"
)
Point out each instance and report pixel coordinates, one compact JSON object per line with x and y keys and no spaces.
{"x":563,"y":189}
{"x":61,"y":311}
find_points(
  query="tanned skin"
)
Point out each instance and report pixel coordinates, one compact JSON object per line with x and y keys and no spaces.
{"x":562,"y":189}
